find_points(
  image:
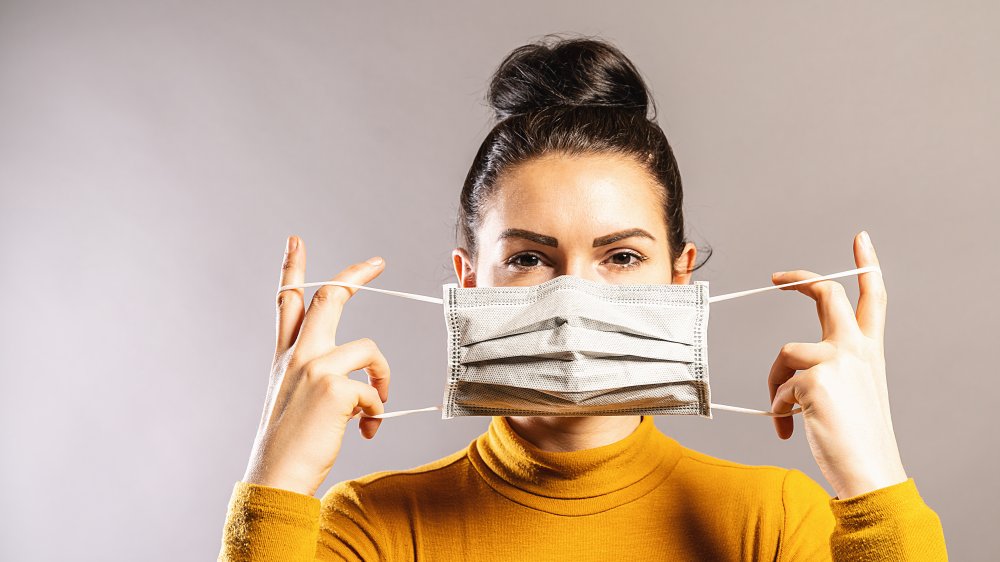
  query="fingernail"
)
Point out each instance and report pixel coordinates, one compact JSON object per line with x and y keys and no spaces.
{"x":778,"y":273}
{"x":374,"y":261}
{"x":866,"y":239}
{"x":290,"y":244}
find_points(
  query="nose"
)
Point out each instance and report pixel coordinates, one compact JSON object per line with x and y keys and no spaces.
{"x":580,"y":266}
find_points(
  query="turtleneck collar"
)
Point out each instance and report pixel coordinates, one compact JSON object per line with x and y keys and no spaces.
{"x":574,"y":482}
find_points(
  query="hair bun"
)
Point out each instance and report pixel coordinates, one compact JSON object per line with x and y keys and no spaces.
{"x":566,"y":72}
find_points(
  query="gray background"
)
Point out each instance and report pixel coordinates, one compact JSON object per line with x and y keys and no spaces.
{"x":155,"y":155}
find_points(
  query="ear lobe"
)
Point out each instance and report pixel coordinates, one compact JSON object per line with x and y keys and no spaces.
{"x":464,"y":270}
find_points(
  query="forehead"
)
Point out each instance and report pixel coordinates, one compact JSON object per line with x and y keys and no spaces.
{"x":586,"y":195}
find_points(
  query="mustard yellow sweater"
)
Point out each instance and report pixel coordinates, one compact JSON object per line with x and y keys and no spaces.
{"x":645,"y":497}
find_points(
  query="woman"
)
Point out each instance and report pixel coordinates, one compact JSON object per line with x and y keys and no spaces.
{"x":575,"y":179}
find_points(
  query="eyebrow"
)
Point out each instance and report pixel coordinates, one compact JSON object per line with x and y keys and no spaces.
{"x":550,"y":241}
{"x":621,"y":235}
{"x":529,"y":235}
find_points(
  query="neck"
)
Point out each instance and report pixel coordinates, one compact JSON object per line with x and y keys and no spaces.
{"x":563,"y":434}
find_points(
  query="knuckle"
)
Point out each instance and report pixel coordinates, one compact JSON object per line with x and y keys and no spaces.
{"x":331,"y":294}
{"x":366,"y":347}
{"x":379,"y":371}
{"x":787,"y":350}
{"x":324,"y":383}
{"x":287,"y":299}
{"x":319,"y":299}
{"x":832,"y":288}
{"x":807,"y":384}
{"x":311,"y":372}
{"x":316,"y":376}
{"x":321,"y":296}
{"x":784,"y":391}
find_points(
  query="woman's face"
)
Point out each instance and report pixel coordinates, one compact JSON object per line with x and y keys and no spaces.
{"x":598,"y":217}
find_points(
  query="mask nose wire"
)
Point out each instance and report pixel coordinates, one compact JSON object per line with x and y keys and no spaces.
{"x":717,"y":298}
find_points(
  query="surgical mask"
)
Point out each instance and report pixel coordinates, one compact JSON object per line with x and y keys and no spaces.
{"x":573,"y":347}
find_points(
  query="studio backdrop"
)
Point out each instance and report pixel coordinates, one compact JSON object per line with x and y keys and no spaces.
{"x":154,"y":156}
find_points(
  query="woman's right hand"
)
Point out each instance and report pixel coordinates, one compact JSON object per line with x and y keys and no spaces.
{"x":310,"y":399}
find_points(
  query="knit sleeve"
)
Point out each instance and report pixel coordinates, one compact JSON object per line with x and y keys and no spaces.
{"x":265,"y":523}
{"x":888,"y":524}
{"x":891,"y":523}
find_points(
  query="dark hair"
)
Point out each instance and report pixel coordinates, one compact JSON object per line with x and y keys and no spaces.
{"x":576,"y":96}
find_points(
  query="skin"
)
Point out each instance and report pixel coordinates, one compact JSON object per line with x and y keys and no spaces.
{"x":552,"y":216}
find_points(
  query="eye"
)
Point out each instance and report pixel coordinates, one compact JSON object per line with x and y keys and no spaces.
{"x":525,"y":261}
{"x":626,"y":259}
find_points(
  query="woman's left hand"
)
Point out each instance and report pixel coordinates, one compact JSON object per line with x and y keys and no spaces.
{"x":840,"y":382}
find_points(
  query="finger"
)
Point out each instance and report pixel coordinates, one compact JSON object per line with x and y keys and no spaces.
{"x":319,"y":328}
{"x":782,"y":403}
{"x":290,"y":303}
{"x":369,"y":402}
{"x":872,"y":299}
{"x":791,"y":358}
{"x":836,"y":315}
{"x":796,"y":356}
{"x":362,"y":354}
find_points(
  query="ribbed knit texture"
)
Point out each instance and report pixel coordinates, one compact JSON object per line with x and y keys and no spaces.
{"x":645,"y":497}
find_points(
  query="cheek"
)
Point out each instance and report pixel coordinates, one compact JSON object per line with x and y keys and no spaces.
{"x":659,"y":274}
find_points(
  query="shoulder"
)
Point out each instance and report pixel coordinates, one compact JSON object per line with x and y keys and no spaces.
{"x":760,"y":483}
{"x":369,"y":517}
{"x":764,"y":496}
{"x":399,"y":487}
{"x":696,"y":463}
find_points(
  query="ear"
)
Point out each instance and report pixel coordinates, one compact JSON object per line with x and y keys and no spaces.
{"x":683,"y":265}
{"x":464,"y":268}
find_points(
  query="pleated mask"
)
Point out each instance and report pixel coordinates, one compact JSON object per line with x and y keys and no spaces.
{"x":573,"y":347}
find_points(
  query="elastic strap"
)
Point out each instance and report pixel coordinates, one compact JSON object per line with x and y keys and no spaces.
{"x":415,"y":297}
{"x":397,"y":413}
{"x":738,"y":294}
{"x":711,"y":299}
{"x":713,"y":405}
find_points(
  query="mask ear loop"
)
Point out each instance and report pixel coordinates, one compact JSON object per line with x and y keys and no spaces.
{"x":424,"y":298}
{"x":717,"y":298}
{"x":713,"y":406}
{"x":738,"y":294}
{"x":397,"y":413}
{"x":740,"y":410}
